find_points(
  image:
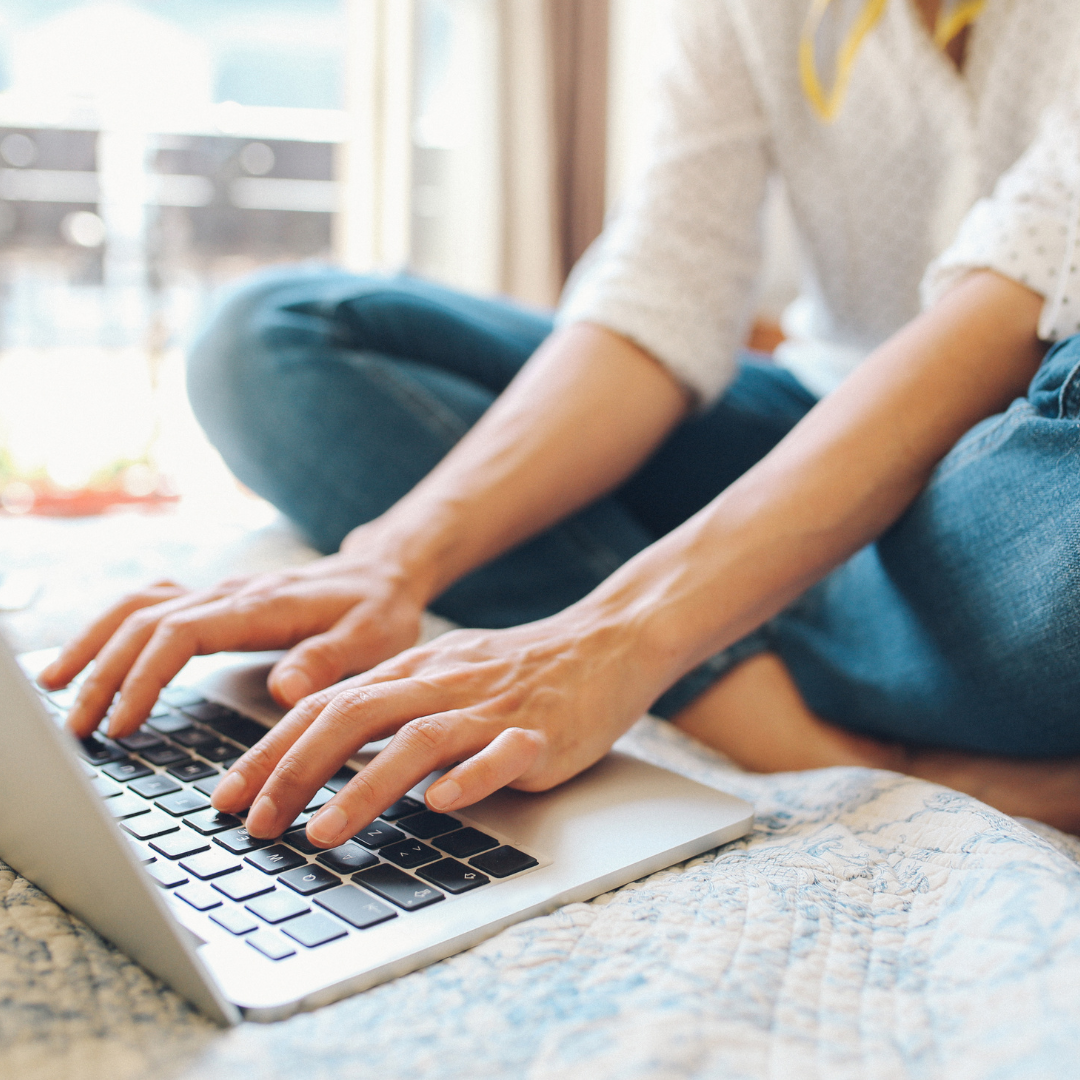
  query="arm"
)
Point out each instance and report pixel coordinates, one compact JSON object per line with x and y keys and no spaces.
{"x":533,"y":705}
{"x":578,"y":419}
{"x":675,"y":275}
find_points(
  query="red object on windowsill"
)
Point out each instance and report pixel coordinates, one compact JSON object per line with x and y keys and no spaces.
{"x":47,"y":500}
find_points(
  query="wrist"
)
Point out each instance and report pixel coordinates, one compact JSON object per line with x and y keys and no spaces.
{"x":410,"y":551}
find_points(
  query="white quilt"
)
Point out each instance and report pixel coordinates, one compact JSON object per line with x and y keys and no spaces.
{"x":870,"y":926}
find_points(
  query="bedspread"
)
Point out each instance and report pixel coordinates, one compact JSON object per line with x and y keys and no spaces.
{"x":870,"y":926}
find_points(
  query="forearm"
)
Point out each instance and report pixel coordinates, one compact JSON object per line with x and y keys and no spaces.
{"x":842,"y":476}
{"x":582,"y":414}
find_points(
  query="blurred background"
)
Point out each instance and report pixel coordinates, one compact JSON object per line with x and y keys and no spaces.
{"x":151,"y":151}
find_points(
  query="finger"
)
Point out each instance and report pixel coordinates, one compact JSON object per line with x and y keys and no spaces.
{"x":420,"y":746}
{"x":507,"y":757}
{"x":216,"y":625}
{"x":115,"y":659}
{"x":237,"y":789}
{"x":355,"y":643}
{"x":288,"y":770}
{"x":81,"y":650}
{"x":318,"y":662}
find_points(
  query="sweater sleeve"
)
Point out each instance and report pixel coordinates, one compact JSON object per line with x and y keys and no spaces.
{"x":676,"y":269}
{"x":1028,"y":228}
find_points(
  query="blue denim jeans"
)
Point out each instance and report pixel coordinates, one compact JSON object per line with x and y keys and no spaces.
{"x":331,"y":395}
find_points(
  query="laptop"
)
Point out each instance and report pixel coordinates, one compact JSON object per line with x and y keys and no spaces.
{"x":122,"y":835}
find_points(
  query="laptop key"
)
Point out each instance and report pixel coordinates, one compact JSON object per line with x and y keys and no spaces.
{"x":235,"y":920}
{"x":409,"y":853}
{"x":201,"y":897}
{"x":183,"y":802}
{"x":314,"y":930}
{"x":238,"y":728}
{"x":398,"y":887}
{"x":320,"y":798}
{"x":240,"y":842}
{"x":465,"y":842}
{"x":204,"y":710}
{"x":143,"y":739}
{"x":340,"y":779}
{"x":126,"y":769}
{"x":271,"y":944}
{"x":429,"y":824}
{"x":355,"y":906}
{"x":126,"y":806}
{"x":402,"y":808}
{"x":219,"y":752}
{"x":243,"y":885}
{"x":309,"y":879}
{"x":273,"y":860}
{"x":348,"y":858}
{"x":277,"y":906}
{"x":379,"y":833}
{"x":98,"y":750}
{"x":453,"y":876}
{"x":105,"y":787}
{"x":180,"y":696}
{"x":169,"y":723}
{"x":297,"y":838}
{"x":167,"y":875}
{"x":210,"y":864}
{"x":502,"y":862}
{"x":165,"y":755}
{"x":195,"y":737}
{"x":154,"y":786}
{"x":178,"y":844}
{"x":192,"y":770}
{"x":212,"y":821}
{"x":147,"y":826}
{"x":142,"y":851}
{"x":207,"y":786}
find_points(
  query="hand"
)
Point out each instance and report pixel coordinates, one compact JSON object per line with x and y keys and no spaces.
{"x":339,"y":615}
{"x":526,"y":707}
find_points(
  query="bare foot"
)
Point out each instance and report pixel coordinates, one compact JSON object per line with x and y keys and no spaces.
{"x":756,"y":716}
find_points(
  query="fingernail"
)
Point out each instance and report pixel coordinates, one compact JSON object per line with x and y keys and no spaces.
{"x":293,"y":684}
{"x":327,"y":826}
{"x":229,"y":791}
{"x":262,"y":818}
{"x":443,"y":795}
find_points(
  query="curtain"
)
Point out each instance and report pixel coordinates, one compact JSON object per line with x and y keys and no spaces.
{"x":553,"y":66}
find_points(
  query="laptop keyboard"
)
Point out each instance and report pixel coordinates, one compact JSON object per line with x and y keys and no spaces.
{"x":285,"y":896}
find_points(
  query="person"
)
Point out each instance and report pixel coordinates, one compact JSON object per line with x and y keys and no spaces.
{"x":863,"y":554}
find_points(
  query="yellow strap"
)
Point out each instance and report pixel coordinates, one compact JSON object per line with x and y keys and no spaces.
{"x":827,"y":103}
{"x":949,"y":24}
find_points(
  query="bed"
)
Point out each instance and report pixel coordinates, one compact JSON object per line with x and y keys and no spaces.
{"x":870,"y":926}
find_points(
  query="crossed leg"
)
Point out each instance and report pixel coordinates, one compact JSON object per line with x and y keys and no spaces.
{"x":757,"y":716}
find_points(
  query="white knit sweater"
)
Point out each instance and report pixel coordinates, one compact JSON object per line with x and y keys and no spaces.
{"x":926,"y":174}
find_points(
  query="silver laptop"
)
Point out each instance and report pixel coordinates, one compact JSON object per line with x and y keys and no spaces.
{"x":122,"y":835}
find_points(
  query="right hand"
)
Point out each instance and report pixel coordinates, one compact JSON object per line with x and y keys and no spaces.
{"x":338,"y":616}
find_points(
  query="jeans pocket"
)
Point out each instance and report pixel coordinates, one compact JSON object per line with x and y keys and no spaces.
{"x":1055,"y":390}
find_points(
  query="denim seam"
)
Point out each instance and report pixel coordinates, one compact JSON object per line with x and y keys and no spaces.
{"x":1069,"y":395}
{"x":425,"y":407}
{"x":961,"y":456}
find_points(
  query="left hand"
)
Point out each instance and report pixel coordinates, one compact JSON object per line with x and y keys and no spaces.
{"x":527,"y":707}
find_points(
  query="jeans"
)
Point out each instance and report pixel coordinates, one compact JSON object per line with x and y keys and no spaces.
{"x":331,"y":395}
